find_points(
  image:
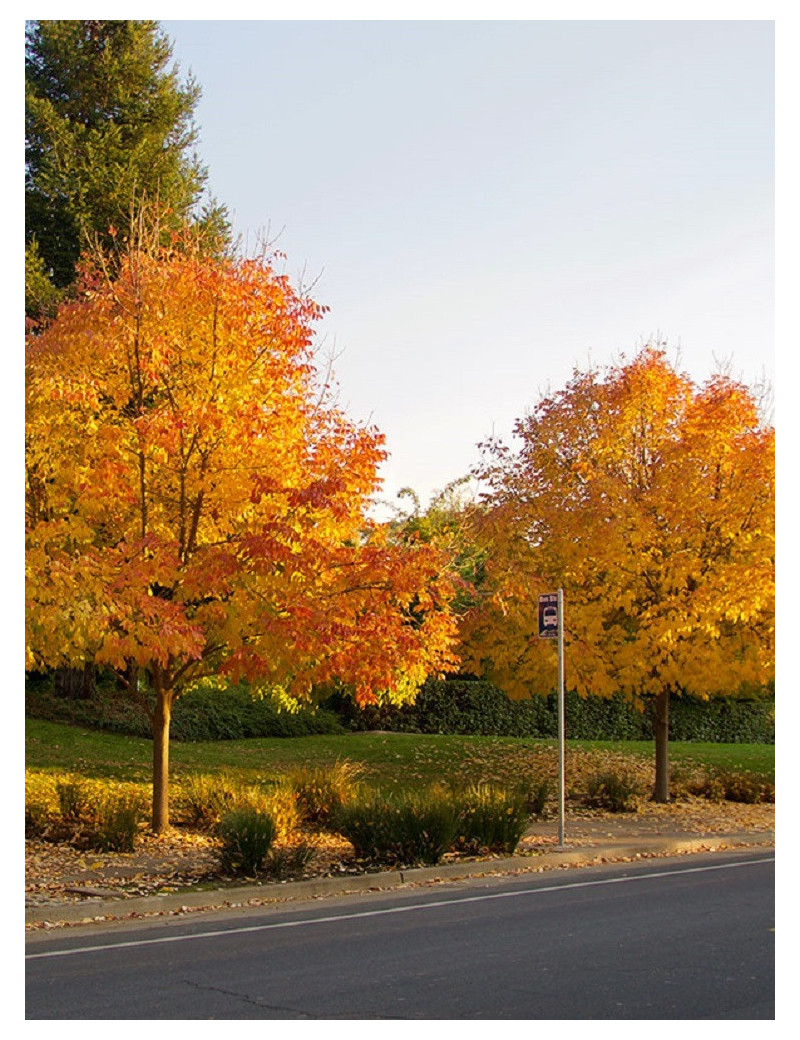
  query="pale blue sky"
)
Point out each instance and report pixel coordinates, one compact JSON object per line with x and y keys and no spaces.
{"x":486,"y":205}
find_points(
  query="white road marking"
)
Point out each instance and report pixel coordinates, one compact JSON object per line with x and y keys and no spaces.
{"x":305,"y":923}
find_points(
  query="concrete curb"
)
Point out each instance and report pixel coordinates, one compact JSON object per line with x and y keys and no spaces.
{"x":99,"y":910}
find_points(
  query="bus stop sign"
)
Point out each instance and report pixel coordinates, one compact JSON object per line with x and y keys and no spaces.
{"x":548,"y":616}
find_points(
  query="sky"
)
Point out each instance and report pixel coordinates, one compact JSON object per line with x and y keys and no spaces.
{"x":487,"y":205}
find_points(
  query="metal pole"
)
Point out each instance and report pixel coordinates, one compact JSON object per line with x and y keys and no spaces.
{"x":560,"y":717}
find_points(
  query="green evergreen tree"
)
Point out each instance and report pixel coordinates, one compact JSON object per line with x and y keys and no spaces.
{"x":108,"y":126}
{"x":41,"y":296}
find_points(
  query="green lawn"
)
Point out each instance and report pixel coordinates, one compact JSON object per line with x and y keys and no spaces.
{"x":756,"y":758}
{"x":391,"y":760}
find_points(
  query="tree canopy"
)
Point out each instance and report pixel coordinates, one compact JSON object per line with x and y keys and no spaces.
{"x":108,"y":123}
{"x":196,"y":501}
{"x":650,"y":501}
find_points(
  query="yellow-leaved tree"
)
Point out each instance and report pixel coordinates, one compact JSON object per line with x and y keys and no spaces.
{"x":650,"y":501}
{"x":197,"y":503}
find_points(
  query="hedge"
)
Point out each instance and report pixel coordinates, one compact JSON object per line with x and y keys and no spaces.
{"x":470,"y":706}
{"x":463,"y":706}
{"x":205,"y":714}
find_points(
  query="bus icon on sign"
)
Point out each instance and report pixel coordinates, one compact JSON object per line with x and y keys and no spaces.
{"x":548,"y":616}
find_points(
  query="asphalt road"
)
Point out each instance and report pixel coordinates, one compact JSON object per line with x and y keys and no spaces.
{"x":683,"y":938}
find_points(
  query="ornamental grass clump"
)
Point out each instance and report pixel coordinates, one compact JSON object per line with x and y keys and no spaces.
{"x":204,"y":798}
{"x":491,"y":818}
{"x":37,"y":817}
{"x":281,"y":803}
{"x":288,"y":861}
{"x":75,"y":802}
{"x":399,"y":830}
{"x":246,"y":837}
{"x":322,"y":792}
{"x":118,"y":821}
{"x":41,"y":803}
{"x":86,"y":813}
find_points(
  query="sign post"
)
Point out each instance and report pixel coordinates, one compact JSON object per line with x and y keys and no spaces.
{"x":551,"y":626}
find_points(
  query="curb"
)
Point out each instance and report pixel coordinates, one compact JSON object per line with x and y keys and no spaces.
{"x":102,"y":910}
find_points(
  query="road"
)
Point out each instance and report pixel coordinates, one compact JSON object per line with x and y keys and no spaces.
{"x":682,"y":938}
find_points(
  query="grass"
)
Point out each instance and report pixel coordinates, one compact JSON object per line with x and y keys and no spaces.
{"x":756,"y":758}
{"x":389,"y":761}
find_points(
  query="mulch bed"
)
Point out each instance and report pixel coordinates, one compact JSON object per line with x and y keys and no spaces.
{"x":183,"y":860}
{"x":160,"y":863}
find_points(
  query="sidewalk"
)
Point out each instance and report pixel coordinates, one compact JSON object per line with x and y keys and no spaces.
{"x":586,"y":842}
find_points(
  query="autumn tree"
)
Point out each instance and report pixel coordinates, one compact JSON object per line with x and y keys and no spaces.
{"x":650,"y":501}
{"x":108,"y":123}
{"x":196,"y":501}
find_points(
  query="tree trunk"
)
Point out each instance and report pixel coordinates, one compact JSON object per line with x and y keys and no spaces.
{"x":128,"y":678}
{"x":161,"y":719}
{"x":88,"y":687}
{"x":63,"y":682}
{"x":661,"y":731}
{"x":74,"y":683}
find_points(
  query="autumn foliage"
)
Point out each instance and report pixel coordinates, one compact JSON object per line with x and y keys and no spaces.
{"x":650,"y":501}
{"x":196,"y":501}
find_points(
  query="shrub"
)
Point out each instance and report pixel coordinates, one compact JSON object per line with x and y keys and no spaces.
{"x":246,"y":837}
{"x":490,"y":817}
{"x":416,"y":828}
{"x":618,"y":792}
{"x":750,"y":788}
{"x":714,"y":789}
{"x":719,"y":785}
{"x":321,"y":792}
{"x":690,"y":780}
{"x":537,"y":798}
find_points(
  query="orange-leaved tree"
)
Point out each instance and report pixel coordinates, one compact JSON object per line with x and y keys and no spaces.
{"x":196,"y":501}
{"x":650,"y":501}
